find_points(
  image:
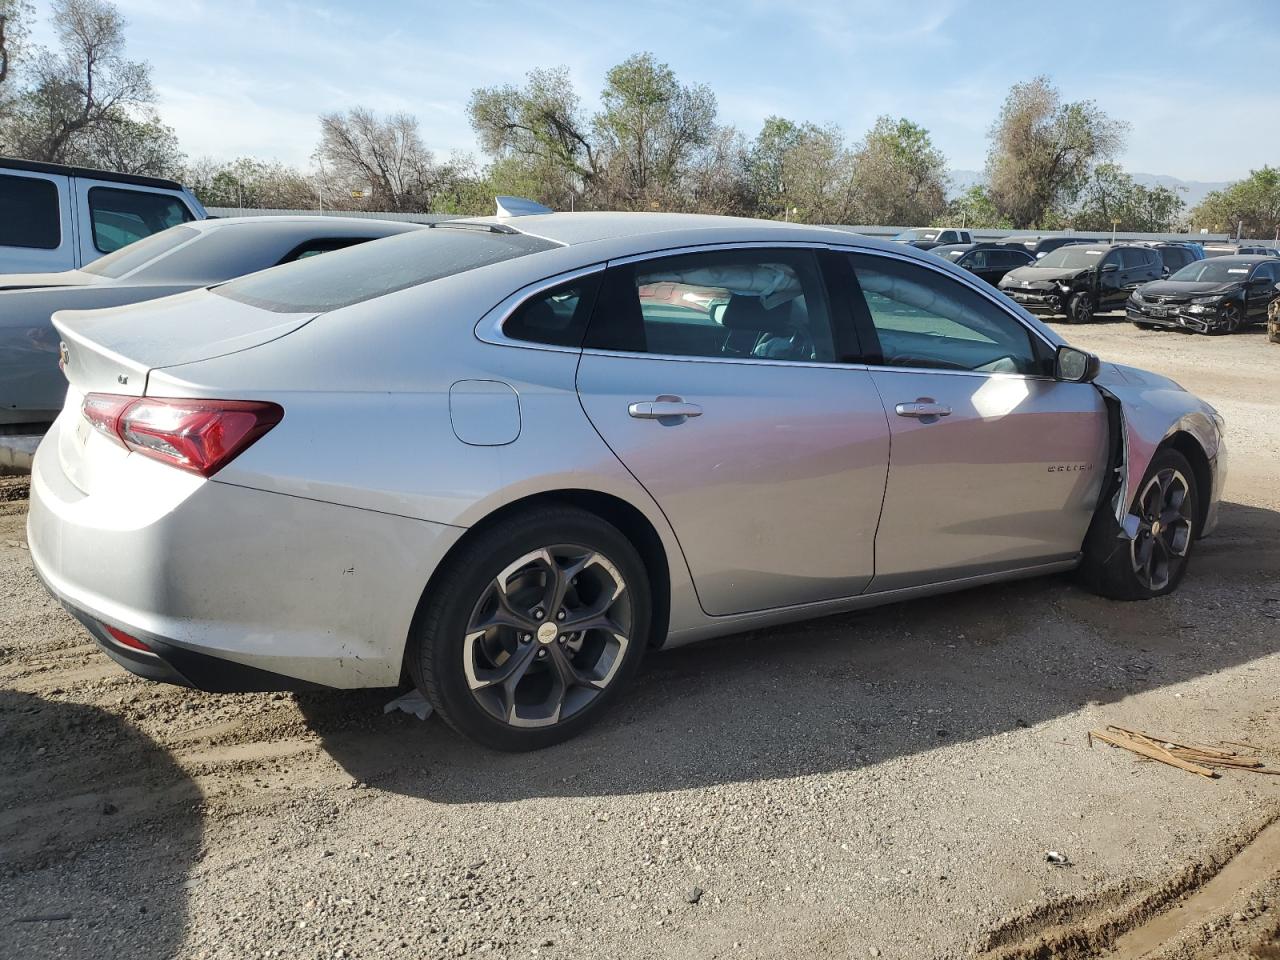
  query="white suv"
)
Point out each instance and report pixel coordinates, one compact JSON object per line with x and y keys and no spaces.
{"x":54,"y":217}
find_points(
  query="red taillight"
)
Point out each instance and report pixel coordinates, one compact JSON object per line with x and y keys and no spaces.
{"x":122,"y":638}
{"x":201,"y":436}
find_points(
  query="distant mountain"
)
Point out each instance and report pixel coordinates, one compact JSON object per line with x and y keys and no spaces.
{"x":1192,"y":191}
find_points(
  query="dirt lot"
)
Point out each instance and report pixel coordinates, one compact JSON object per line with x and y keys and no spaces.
{"x":884,"y":784}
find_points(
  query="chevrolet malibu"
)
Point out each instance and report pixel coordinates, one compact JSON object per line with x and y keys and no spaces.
{"x":501,"y":458}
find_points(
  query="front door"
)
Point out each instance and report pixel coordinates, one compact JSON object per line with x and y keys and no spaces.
{"x":716,"y":379}
{"x":995,"y":465}
{"x":1261,"y":289}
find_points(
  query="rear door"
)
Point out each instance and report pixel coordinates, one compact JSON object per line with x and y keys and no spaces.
{"x":995,"y":465}
{"x":720,"y":380}
{"x":113,"y":215}
{"x":35,"y":217}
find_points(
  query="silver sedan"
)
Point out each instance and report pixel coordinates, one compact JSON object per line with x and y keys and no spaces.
{"x":501,"y":458}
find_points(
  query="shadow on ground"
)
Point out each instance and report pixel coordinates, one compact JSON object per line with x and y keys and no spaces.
{"x":853,"y":690}
{"x":80,"y":873}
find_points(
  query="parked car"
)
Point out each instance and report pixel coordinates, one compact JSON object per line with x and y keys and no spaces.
{"x":1273,"y":319}
{"x":54,"y":217}
{"x":926,"y":238}
{"x":1039,"y":246}
{"x":1220,"y":295}
{"x":499,"y":456}
{"x":1078,"y":280}
{"x":182,"y":258}
{"x":988,"y":261}
{"x":1230,"y":249}
{"x":1175,"y":254}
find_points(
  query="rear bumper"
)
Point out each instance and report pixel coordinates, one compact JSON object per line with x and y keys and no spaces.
{"x":237,"y":588}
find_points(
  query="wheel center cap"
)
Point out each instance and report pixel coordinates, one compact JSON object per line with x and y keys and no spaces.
{"x":1155,"y":531}
{"x":547,"y":632}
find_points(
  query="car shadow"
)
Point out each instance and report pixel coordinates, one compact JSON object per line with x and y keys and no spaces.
{"x":80,"y":873}
{"x":852,"y":690}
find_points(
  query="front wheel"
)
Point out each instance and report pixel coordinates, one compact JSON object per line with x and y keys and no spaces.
{"x":1153,"y":563}
{"x":1080,"y":308}
{"x":532,"y":629}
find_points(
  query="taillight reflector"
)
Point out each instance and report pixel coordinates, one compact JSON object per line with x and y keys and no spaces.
{"x":200,"y":436}
{"x":122,"y":638}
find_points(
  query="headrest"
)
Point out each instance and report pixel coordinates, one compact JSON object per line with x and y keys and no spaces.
{"x":746,"y":312}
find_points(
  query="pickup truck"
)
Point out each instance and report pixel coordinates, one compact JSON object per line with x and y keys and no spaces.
{"x":926,"y":238}
{"x":54,"y":217}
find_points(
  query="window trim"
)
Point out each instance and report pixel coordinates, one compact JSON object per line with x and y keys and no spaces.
{"x":489,"y":328}
{"x":88,"y":205}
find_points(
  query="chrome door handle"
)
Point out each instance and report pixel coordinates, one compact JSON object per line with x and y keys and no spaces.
{"x":924,"y":409}
{"x":663,"y":408}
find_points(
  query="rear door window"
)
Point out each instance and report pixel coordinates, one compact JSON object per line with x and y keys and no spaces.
{"x":29,"y":213}
{"x":729,"y":304}
{"x":121,"y":217}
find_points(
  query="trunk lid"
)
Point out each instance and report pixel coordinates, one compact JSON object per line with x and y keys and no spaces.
{"x":63,"y":278}
{"x":113,"y":350}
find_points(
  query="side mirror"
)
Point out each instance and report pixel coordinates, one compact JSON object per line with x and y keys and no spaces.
{"x":1075,"y":365}
{"x":1261,"y":282}
{"x":1110,"y":267}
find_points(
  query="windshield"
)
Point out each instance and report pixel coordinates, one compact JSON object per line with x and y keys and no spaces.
{"x":1213,"y":271}
{"x":918,"y":235}
{"x":1071,"y":258}
{"x":356,"y":274}
{"x":127,"y":259}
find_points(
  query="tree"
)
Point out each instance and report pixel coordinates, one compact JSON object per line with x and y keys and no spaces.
{"x":14,"y":16}
{"x":77,"y":92}
{"x":975,"y":209}
{"x":246,"y":182}
{"x":899,"y":177}
{"x":1042,"y":151}
{"x":1251,"y":205}
{"x":800,"y":172}
{"x":383,"y":160}
{"x":539,"y":137}
{"x":1111,"y":199}
{"x":650,"y":133}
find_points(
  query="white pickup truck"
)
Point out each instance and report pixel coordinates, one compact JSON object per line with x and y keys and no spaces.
{"x":54,"y":217}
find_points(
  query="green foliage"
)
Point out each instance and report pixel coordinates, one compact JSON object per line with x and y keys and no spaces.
{"x":1111,"y":198}
{"x":1253,"y":202}
{"x":976,"y":210}
{"x":1043,"y":151}
{"x":899,"y":177}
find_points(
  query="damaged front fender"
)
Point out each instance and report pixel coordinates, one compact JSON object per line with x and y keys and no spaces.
{"x":1149,"y":411}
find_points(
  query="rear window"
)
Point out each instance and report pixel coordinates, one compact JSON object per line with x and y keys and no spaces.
{"x":29,"y":213}
{"x":344,"y":277}
{"x":130,"y":258}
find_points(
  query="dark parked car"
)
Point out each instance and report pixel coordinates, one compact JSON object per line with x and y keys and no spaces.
{"x":926,"y":238}
{"x":1241,"y":250}
{"x":1078,"y":280}
{"x":986,"y":260}
{"x":1176,"y":254}
{"x":1218,"y":295}
{"x":1039,"y":246}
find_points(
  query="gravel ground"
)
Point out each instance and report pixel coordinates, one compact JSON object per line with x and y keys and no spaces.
{"x":883,"y":784}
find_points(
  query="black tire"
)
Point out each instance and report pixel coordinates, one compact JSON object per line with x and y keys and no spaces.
{"x":1080,"y":308}
{"x":1232,"y":320}
{"x":1110,"y":558}
{"x":435,"y":654}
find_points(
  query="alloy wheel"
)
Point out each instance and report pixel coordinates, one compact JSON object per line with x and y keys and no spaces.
{"x":547,"y":635}
{"x":1082,"y":309}
{"x":1165,"y":528}
{"x":1230,"y":318}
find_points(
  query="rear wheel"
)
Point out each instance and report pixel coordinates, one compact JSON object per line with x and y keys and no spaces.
{"x":533,"y":628}
{"x":1080,"y":308}
{"x":1152,"y":563}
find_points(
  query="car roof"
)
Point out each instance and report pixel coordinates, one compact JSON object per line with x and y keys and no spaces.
{"x":36,"y":166}
{"x":575,"y":228}
{"x":1244,"y":258}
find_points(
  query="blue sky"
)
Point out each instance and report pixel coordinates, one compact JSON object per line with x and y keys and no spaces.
{"x":1199,"y":82}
